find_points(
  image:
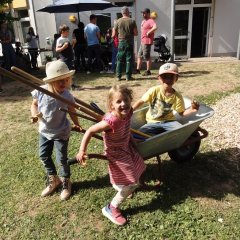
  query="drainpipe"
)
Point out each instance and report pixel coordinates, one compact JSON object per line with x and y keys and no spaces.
{"x":238,"y":49}
{"x":212,"y":30}
{"x":172,"y":30}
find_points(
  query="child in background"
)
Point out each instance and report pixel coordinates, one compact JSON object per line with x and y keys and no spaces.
{"x":54,"y":127}
{"x":64,"y":48}
{"x":163,"y":99}
{"x":125,"y":164}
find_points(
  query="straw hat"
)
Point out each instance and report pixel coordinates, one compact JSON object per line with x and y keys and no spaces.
{"x":57,"y":70}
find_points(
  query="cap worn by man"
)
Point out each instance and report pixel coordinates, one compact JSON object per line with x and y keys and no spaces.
{"x":146,"y":10}
{"x":168,"y":68}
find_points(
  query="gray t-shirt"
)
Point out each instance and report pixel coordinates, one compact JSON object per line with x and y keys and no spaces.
{"x":54,"y":123}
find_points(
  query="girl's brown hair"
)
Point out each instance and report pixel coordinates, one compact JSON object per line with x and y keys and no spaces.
{"x":123,"y":89}
{"x":63,"y":28}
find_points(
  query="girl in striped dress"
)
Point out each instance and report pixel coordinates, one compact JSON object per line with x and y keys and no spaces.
{"x":125,"y":164}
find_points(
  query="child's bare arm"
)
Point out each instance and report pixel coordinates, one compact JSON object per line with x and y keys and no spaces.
{"x":137,"y":104}
{"x":96,"y":128}
{"x":63,"y":47}
{"x":34,"y":111}
{"x":193,"y":109}
{"x":74,"y":118}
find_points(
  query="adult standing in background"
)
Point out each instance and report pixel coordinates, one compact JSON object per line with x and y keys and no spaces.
{"x":125,"y":28}
{"x":32,"y":41}
{"x":79,"y":46}
{"x":8,"y":52}
{"x":92,"y":34}
{"x":115,"y":43}
{"x":148,"y":27}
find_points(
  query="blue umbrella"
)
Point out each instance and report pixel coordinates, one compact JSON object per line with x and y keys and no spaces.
{"x":75,"y":6}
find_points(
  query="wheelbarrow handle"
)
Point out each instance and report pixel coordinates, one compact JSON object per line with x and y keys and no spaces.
{"x":72,"y":161}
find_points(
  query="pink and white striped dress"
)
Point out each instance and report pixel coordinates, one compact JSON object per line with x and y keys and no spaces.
{"x":125,"y":164}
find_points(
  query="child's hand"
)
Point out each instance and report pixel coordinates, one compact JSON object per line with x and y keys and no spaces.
{"x":82,"y":157}
{"x":35,"y":118}
{"x":77,"y":128}
{"x":195,"y":105}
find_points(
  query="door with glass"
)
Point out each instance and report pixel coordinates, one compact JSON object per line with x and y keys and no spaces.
{"x":183,"y":25}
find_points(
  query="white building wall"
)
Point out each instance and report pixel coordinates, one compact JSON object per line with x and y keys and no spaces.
{"x":226,"y":27}
{"x":45,"y":22}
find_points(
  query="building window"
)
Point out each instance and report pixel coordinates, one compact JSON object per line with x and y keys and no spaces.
{"x":121,"y":4}
{"x":202,"y":1}
{"x":22,"y":13}
{"x":182,"y":2}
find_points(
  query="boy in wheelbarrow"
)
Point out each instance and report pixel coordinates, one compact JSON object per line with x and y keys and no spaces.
{"x":163,"y":99}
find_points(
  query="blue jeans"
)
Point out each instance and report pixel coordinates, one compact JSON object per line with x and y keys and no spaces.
{"x":114,"y":58}
{"x":45,"y":154}
{"x":159,"y":127}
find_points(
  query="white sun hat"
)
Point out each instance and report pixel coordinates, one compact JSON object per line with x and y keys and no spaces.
{"x":57,"y":70}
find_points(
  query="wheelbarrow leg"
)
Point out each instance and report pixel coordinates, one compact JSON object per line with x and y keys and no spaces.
{"x":160,"y":170}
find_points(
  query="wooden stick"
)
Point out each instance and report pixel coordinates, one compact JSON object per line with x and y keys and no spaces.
{"x":94,"y":135}
{"x":45,"y":91}
{"x":78,"y":114}
{"x":89,"y":156}
{"x":40,"y":82}
{"x":27,"y":76}
{"x":131,"y":129}
{"x":85,"y":110}
{"x":140,"y":133}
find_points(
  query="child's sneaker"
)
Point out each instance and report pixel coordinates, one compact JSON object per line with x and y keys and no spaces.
{"x":114,"y":215}
{"x":66,"y":189}
{"x":53,"y":183}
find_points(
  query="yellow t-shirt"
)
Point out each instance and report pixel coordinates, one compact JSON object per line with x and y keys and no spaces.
{"x":160,"y":106}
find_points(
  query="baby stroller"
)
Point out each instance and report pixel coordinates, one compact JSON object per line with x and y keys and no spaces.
{"x":160,"y":47}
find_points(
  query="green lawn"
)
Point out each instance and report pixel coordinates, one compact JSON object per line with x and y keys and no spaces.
{"x":194,"y":202}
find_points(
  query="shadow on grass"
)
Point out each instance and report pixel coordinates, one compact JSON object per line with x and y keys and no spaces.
{"x":210,"y":175}
{"x":14,"y":91}
{"x":191,"y":74}
{"x":98,"y":183}
{"x":103,"y":87}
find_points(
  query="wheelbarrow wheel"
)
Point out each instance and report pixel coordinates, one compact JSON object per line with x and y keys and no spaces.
{"x":187,"y":152}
